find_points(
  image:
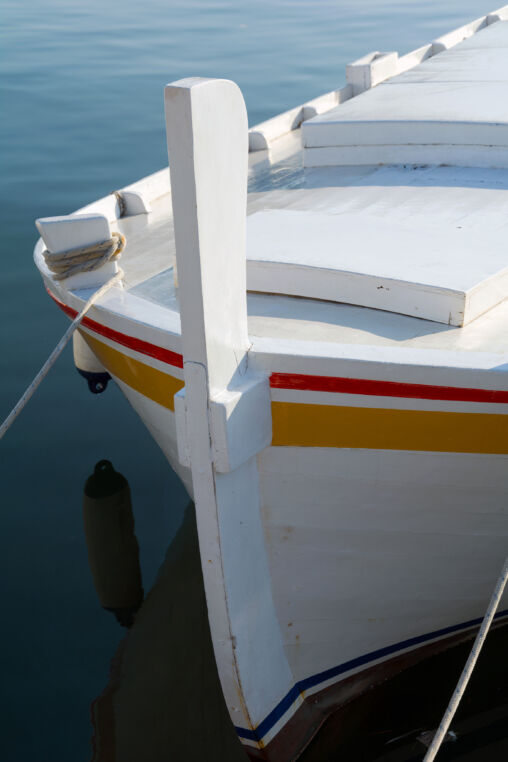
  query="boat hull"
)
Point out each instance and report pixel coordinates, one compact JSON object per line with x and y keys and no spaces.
{"x":377,"y":558}
{"x":299,"y":731}
{"x":382,"y":523}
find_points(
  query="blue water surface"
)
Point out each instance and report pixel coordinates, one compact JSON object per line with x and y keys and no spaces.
{"x":82,"y":114}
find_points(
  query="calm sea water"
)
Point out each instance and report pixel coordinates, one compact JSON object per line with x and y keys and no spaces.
{"x":81,"y":115}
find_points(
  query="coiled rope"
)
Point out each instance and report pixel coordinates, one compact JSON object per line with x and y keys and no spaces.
{"x":63,"y":265}
{"x":122,"y":206}
{"x":84,"y":258}
{"x":469,"y":666}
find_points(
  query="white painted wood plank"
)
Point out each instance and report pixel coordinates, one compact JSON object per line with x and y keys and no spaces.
{"x":457,"y":98}
{"x":207,"y":146}
{"x":371,"y":69}
{"x":424,"y":112}
{"x":484,"y":156}
{"x":263,"y":135}
{"x":419,"y":268}
{"x":371,"y":521}
{"x":74,"y":231}
{"x":456,"y":36}
{"x":461,"y":64}
{"x":209,"y":226}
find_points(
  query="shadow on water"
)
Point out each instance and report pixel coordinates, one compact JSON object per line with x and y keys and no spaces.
{"x":163,"y":698}
{"x":393,"y":722}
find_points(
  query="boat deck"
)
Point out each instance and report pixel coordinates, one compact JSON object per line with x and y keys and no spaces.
{"x":452,"y":217}
{"x":451,"y":107}
{"x":472,"y":199}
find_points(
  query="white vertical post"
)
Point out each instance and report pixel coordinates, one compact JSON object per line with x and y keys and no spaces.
{"x":224,"y":413}
{"x":208,"y":149}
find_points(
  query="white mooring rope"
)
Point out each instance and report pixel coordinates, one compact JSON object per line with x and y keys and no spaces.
{"x":470,"y":665}
{"x":55,"y":354}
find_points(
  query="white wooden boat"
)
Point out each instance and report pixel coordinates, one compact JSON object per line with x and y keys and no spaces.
{"x":342,"y":427}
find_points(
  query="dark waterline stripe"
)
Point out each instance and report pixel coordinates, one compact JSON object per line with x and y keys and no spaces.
{"x":310,"y":682}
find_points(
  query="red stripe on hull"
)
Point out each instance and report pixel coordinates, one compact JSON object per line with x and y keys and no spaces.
{"x":138,"y":345}
{"x":383,"y":388}
{"x":305,"y":382}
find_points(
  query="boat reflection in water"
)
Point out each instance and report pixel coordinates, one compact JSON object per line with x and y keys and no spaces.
{"x":113,"y":550}
{"x":163,"y":699}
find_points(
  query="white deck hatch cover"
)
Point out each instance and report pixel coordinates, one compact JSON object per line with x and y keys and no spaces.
{"x":423,"y":268}
{"x":458,"y":98}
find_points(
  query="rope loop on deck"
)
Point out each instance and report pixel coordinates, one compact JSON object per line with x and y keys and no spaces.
{"x":84,"y":258}
{"x":122,"y":206}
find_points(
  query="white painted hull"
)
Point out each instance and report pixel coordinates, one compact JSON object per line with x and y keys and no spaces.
{"x":372,"y":554}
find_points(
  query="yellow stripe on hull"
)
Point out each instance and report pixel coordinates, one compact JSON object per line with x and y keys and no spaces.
{"x":305,"y":425}
{"x":302,"y":425}
{"x":151,"y":382}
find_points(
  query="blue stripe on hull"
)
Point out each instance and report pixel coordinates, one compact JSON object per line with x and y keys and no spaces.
{"x":310,"y":682}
